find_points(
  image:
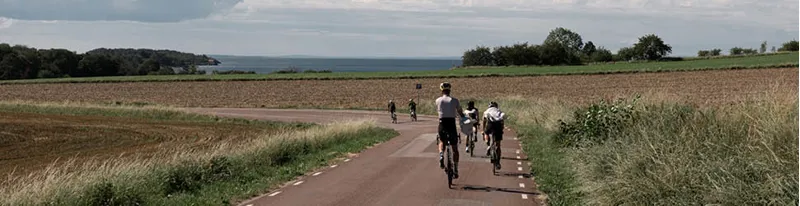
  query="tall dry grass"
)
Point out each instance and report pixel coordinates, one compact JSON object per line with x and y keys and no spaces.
{"x":141,"y":180}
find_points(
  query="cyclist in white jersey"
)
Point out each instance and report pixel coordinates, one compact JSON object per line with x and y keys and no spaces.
{"x":448,"y":108}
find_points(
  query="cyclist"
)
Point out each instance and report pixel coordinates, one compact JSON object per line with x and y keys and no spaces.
{"x":493,"y":124}
{"x":392,"y":108}
{"x":412,"y":106}
{"x":448,"y":107}
{"x":472,"y":113}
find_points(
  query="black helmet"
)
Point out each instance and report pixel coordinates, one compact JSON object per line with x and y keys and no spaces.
{"x":471,"y":104}
{"x":493,"y":104}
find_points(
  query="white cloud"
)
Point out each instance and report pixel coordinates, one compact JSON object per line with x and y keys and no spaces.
{"x":5,"y":22}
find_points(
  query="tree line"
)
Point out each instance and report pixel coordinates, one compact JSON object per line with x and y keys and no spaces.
{"x":787,"y":46}
{"x":22,"y":62}
{"x":564,"y":47}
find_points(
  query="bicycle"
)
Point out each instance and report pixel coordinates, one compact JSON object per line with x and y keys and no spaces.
{"x":413,"y":116}
{"x":494,"y":156}
{"x":448,"y":166}
{"x":471,"y":144}
{"x":394,"y":118}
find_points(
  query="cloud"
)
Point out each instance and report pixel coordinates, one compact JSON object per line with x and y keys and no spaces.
{"x":5,"y":22}
{"x":110,"y":10}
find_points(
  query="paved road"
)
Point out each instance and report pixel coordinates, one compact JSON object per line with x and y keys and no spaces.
{"x":401,"y":171}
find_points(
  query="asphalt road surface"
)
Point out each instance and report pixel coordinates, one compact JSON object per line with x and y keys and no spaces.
{"x":401,"y":171}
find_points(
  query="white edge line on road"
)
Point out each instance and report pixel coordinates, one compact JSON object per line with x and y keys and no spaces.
{"x":522,"y":185}
{"x":274,"y":193}
{"x":524,"y":196}
{"x":315,"y":174}
{"x":333,"y":166}
{"x":346,"y":160}
{"x":298,"y":183}
{"x":249,"y":205}
{"x":519,"y":168}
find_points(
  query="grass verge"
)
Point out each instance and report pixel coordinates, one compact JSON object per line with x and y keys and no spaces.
{"x":662,"y":153}
{"x":751,"y":62}
{"x":223,"y":175}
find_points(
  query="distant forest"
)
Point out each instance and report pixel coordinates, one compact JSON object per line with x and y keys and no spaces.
{"x":22,"y":62}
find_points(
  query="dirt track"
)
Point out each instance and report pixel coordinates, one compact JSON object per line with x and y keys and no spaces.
{"x":704,"y":87}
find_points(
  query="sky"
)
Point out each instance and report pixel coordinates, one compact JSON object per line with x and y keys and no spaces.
{"x":388,"y":28}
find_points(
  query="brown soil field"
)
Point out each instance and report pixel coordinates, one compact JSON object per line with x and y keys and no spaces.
{"x":30,"y":142}
{"x":701,"y":87}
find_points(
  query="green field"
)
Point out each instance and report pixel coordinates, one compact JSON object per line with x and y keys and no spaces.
{"x":746,"y":62}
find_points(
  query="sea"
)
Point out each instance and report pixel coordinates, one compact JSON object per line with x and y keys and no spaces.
{"x":264,"y":65}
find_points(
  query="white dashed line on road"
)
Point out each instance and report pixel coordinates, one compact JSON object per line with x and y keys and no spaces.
{"x":517,"y":151}
{"x":519,"y":157}
{"x":522,"y":185}
{"x":334,"y":166}
{"x":315,"y":174}
{"x":298,"y":183}
{"x":275,"y":193}
{"x":520,"y":176}
{"x":249,"y":205}
{"x":519,"y":168}
{"x":346,"y":160}
{"x":519,"y":163}
{"x":524,"y":196}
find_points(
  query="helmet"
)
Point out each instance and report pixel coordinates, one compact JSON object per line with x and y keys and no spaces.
{"x":390,"y":101}
{"x":444,"y":86}
{"x":471,"y":104}
{"x":410,"y":100}
{"x":493,"y":104}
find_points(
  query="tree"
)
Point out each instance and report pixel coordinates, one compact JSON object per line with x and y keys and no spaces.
{"x":570,"y":40}
{"x":480,"y":56}
{"x":773,"y":49}
{"x":601,"y":55}
{"x":651,"y":47}
{"x":627,"y":53}
{"x":97,"y":65}
{"x":763,"y":47}
{"x":789,"y":46}
{"x":736,"y":51}
{"x":589,"y":48}
{"x":716,"y":52}
{"x":703,"y":53}
{"x":554,"y":53}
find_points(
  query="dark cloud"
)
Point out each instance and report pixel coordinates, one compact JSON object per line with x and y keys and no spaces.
{"x":132,"y":10}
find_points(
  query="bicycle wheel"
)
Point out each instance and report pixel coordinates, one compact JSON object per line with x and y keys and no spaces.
{"x":449,"y":168}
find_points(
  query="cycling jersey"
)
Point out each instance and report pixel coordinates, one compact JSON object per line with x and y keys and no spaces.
{"x":447,"y":106}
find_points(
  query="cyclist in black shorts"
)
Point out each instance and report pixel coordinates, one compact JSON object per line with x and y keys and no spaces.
{"x":493,"y":124}
{"x":448,"y":108}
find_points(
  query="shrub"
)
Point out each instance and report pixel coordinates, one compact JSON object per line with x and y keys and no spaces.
{"x":595,"y":123}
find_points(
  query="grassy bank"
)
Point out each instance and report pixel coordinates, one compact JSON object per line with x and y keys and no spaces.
{"x":748,"y":62}
{"x":225,"y":173}
{"x":662,"y":153}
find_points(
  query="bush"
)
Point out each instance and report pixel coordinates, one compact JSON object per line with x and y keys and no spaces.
{"x":231,"y":72}
{"x":596,"y":123}
{"x":104,"y":193}
{"x":317,"y":71}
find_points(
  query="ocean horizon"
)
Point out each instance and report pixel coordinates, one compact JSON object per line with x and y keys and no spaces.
{"x":264,"y":65}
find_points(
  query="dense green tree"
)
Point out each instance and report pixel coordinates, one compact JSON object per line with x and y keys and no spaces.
{"x":480,"y":56}
{"x":627,"y":53}
{"x":570,"y":40}
{"x":589,"y":48}
{"x":790,"y":46}
{"x":601,"y":55}
{"x":763,"y":48}
{"x":651,"y":47}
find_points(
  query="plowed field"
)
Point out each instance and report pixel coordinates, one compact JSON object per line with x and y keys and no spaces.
{"x":702,"y":87}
